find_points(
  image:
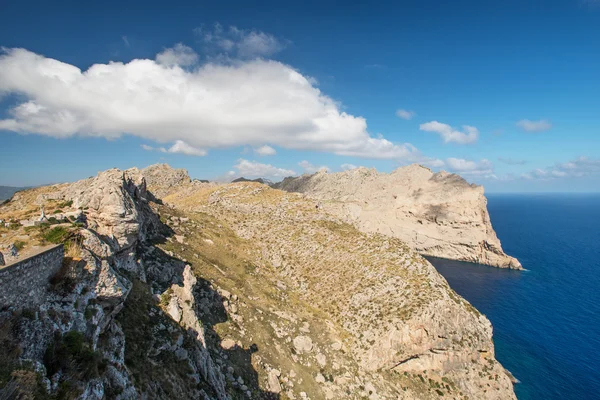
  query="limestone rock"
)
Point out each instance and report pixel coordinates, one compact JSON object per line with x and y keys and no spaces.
{"x":273,"y":382}
{"x":438,"y":214}
{"x":303,"y":344}
{"x":321,"y":360}
{"x":228,"y":344}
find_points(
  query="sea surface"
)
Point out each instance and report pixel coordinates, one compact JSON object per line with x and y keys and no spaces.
{"x":546,"y":319}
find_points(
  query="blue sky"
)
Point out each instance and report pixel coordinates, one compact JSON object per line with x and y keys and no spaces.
{"x":504,"y":93}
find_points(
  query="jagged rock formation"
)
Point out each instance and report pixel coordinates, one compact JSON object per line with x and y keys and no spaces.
{"x":437,"y":214}
{"x":77,"y":340}
{"x":237,"y":291}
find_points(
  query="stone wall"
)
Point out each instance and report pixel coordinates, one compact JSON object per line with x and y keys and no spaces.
{"x":24,"y":283}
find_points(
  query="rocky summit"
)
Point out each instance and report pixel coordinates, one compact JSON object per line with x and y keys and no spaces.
{"x":174,"y":288}
{"x":437,"y":214}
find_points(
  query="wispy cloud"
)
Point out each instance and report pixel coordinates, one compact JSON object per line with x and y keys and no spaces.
{"x":470,"y":134}
{"x":125,"y":40}
{"x":179,"y":147}
{"x":577,"y":168}
{"x":405,"y":114}
{"x":346,"y":167}
{"x":265,"y":151}
{"x":534,"y":126}
{"x":240,"y":43}
{"x":254,"y":169}
{"x":179,"y":55}
{"x":461,"y":166}
{"x":310,"y":168}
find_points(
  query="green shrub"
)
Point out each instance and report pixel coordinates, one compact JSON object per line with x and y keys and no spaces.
{"x":56,"y":235}
{"x":65,"y":204}
{"x":57,"y":211}
{"x":71,"y":354}
{"x":19,"y":244}
{"x":28,"y":313}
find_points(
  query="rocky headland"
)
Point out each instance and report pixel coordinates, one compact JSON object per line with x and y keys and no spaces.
{"x":174,"y":288}
{"x":437,"y":214}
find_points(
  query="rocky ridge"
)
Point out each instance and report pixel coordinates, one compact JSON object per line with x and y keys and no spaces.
{"x":216,"y":292}
{"x":437,"y":214}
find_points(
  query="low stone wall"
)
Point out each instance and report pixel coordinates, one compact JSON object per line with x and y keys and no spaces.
{"x":25,"y":282}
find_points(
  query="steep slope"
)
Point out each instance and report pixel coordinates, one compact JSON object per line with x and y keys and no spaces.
{"x":402,"y":331}
{"x":235,"y":291}
{"x":437,"y":214}
{"x":88,"y":339}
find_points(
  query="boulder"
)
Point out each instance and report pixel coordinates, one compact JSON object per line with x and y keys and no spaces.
{"x":303,"y":344}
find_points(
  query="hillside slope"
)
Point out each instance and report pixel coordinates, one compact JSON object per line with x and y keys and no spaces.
{"x":437,"y":214}
{"x":235,"y":291}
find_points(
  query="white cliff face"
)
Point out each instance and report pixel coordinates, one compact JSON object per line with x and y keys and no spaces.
{"x":437,"y":214}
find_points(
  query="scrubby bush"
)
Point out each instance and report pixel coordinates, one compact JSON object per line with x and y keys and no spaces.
{"x":56,"y":235}
{"x":65,"y":204}
{"x":71,"y":354}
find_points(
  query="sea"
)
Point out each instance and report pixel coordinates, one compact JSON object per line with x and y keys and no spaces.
{"x":546,"y":319}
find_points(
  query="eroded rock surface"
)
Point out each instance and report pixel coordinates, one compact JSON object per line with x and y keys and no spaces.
{"x":437,"y":214}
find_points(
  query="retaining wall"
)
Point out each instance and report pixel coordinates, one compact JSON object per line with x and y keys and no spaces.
{"x":25,"y":282}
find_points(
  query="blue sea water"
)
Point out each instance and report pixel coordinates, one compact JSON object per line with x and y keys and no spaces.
{"x":546,"y":319}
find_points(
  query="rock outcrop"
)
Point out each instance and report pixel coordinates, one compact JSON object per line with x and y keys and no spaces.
{"x":89,"y":304}
{"x":437,"y":214}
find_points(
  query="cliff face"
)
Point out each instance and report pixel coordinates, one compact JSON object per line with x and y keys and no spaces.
{"x":236,"y":291}
{"x":437,"y":214}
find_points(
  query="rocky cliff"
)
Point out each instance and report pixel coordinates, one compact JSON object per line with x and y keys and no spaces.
{"x":234,"y":291}
{"x":437,"y":214}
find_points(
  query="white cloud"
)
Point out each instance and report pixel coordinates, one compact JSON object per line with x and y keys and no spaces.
{"x":511,"y":161}
{"x":482,"y":167}
{"x":209,"y":106}
{"x":265,"y":151}
{"x":346,"y":167}
{"x":470,"y":134}
{"x":125,"y":40}
{"x":253,"y":169}
{"x":580,"y":167}
{"x":180,"y":55}
{"x":182,"y":147}
{"x":405,"y":114}
{"x":179,"y":147}
{"x":311,"y":169}
{"x":534,"y":126}
{"x":240,"y":43}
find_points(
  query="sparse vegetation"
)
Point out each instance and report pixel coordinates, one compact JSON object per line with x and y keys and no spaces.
{"x":65,"y":204}
{"x":58,"y":234}
{"x":74,"y":357}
